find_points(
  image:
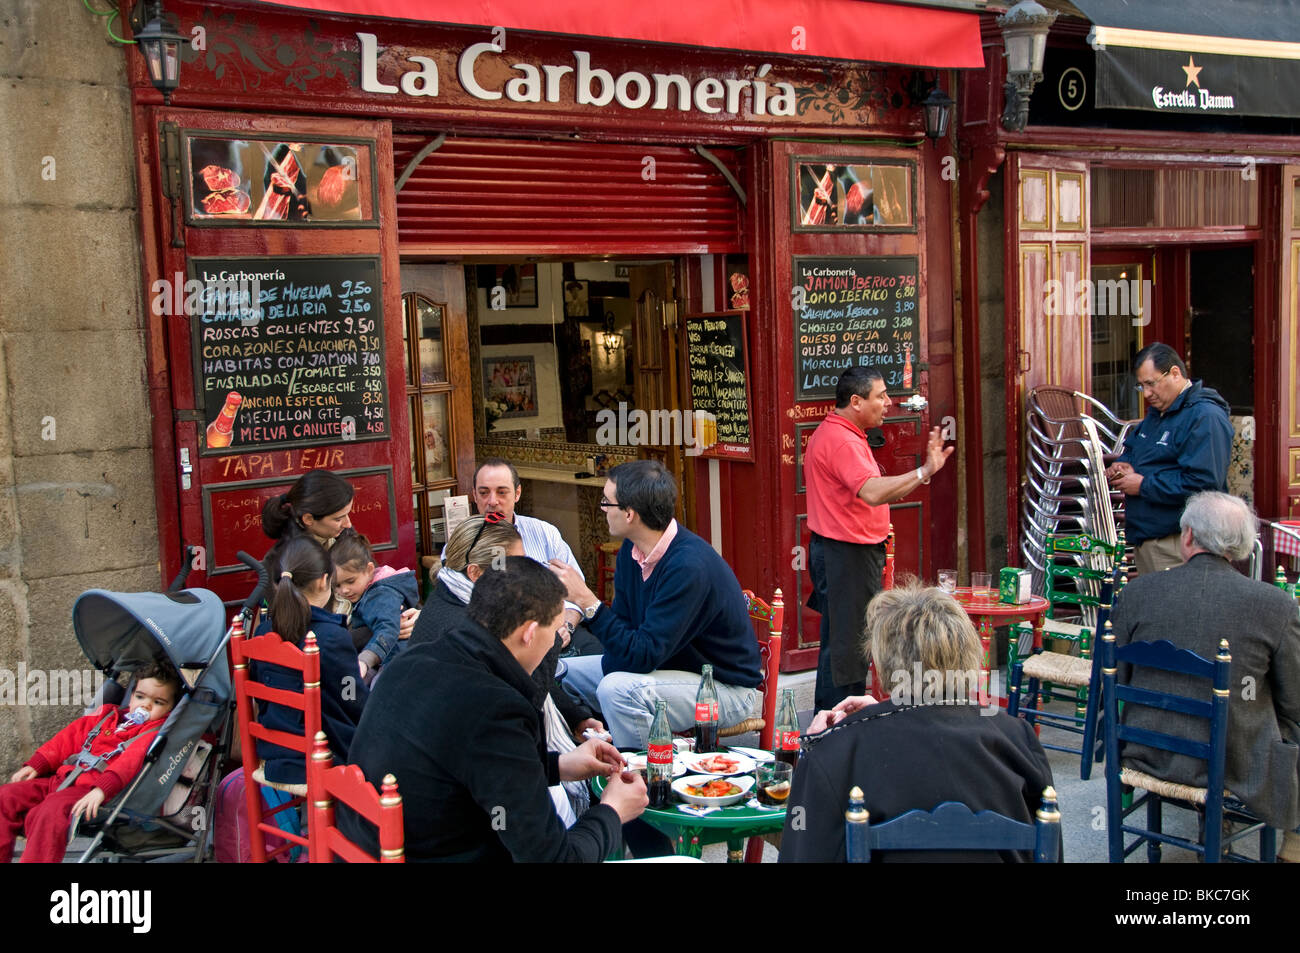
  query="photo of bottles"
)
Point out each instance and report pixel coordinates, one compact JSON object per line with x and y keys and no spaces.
{"x":834,"y":196}
{"x":267,"y":181}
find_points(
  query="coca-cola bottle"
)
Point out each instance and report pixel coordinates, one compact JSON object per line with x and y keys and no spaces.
{"x":220,"y":431}
{"x":659,"y":758}
{"x":706,"y":713}
{"x":785,"y":737}
{"x":907,"y":367}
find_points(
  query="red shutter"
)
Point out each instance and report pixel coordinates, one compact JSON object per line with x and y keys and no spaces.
{"x":498,"y":196}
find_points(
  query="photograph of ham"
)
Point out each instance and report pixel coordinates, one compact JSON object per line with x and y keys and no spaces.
{"x":270,"y":181}
{"x":846,"y":196}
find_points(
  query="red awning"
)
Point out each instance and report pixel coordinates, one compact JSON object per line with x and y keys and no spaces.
{"x":833,"y":29}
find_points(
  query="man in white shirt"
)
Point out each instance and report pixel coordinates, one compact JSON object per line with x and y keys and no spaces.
{"x":497,"y":490}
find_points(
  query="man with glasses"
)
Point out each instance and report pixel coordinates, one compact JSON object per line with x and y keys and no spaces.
{"x":677,"y":606}
{"x":1182,"y":447}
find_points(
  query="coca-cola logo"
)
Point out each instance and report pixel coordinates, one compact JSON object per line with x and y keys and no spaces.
{"x":789,"y":741}
{"x":706,"y":711}
{"x":660,"y":754}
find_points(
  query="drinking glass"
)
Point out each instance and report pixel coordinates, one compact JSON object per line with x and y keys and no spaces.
{"x":948,"y":580}
{"x":773,"y":782}
{"x":980,"y":586}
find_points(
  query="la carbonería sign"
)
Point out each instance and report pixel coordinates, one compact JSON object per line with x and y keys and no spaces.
{"x":579,"y":82}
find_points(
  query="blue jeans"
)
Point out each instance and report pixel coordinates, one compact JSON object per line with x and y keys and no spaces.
{"x":627,"y":699}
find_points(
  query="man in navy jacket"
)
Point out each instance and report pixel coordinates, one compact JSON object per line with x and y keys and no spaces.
{"x":677,"y":606}
{"x":1181,"y":447}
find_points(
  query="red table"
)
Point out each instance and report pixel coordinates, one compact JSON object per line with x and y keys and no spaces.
{"x":988,"y":617}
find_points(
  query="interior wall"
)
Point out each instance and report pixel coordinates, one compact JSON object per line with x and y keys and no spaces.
{"x":546,"y":372}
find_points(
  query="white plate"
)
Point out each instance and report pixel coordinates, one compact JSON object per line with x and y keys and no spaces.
{"x":743,"y":764}
{"x":758,"y":754}
{"x":637,"y":762}
{"x":743,"y":783}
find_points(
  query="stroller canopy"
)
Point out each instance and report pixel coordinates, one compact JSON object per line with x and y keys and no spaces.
{"x":126,"y":630}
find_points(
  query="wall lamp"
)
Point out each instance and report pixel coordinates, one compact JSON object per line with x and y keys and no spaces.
{"x":160,"y":45}
{"x":1024,"y":32}
{"x":936,"y":105}
{"x":609,"y":339}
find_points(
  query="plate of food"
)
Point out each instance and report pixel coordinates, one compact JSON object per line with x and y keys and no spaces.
{"x":718,"y":763}
{"x":705,"y":790}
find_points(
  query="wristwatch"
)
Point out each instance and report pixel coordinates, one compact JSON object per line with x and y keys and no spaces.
{"x":589,"y":613}
{"x":570,"y":626}
{"x":920,"y":475}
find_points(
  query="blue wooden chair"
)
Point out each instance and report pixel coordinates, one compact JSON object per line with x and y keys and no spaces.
{"x":952,"y":826}
{"x":1212,"y":803}
{"x":1078,"y":675}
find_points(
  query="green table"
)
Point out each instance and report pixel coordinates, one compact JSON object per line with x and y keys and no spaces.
{"x":691,"y":833}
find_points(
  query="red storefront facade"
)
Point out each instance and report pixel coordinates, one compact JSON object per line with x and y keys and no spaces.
{"x":463,"y":149}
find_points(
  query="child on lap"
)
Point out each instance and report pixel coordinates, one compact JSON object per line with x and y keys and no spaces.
{"x":379,"y":595}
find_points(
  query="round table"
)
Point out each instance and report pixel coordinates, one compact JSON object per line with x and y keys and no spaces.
{"x":989,"y":616}
{"x":691,"y":833}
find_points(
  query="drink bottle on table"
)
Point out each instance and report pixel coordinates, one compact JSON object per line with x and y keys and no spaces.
{"x":659,"y":758}
{"x":785,"y":737}
{"x":706,"y":713}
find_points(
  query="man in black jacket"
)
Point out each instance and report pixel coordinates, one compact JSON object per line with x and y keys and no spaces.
{"x":457,"y":722}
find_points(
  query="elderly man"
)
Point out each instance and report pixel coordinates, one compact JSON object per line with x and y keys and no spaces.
{"x":1194,"y":606}
{"x":677,"y":606}
{"x":1182,"y":446}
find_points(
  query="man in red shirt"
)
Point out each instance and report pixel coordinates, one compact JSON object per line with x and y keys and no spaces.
{"x":848,"y":513}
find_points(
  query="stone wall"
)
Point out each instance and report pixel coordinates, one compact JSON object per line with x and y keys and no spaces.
{"x":76,"y":474}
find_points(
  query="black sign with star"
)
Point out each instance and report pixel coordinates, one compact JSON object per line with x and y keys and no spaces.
{"x":1205,"y":84}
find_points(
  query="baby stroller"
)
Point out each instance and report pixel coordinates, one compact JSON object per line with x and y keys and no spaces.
{"x":165,"y":813}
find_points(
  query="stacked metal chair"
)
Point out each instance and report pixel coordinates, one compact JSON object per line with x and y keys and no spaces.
{"x":1066,"y":492}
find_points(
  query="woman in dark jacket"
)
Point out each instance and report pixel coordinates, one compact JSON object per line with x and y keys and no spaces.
{"x":298,"y":606}
{"x":930,"y":743}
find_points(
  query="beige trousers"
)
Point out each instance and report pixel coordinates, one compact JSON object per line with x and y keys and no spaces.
{"x":1157,"y":555}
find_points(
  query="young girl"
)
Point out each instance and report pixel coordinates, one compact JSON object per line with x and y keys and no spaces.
{"x":378,"y":595}
{"x":302,"y":593}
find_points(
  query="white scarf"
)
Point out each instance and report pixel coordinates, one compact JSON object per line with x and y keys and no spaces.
{"x":457,"y":582}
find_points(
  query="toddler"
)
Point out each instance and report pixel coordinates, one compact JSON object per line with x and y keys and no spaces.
{"x":81,"y":767}
{"x":378,"y":595}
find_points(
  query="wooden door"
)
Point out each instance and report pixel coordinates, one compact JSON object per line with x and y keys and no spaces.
{"x":297,"y":215}
{"x":1048,"y":297}
{"x":438,"y":389}
{"x":1289,"y":361}
{"x":658,"y":336}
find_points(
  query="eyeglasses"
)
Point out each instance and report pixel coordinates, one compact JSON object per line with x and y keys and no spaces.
{"x":1144,"y":385}
{"x":605,"y":504}
{"x":489,"y":519}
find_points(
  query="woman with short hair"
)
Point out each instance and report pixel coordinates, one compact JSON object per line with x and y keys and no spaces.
{"x":930,"y":742}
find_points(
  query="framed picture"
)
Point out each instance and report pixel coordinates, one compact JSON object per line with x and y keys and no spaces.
{"x":518,"y":280}
{"x":511,"y":383}
{"x":576,"y":302}
{"x":831,"y":195}
{"x":271,"y":182}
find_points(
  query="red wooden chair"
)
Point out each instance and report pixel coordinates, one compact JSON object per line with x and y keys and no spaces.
{"x":271,"y":649}
{"x":886,"y":582}
{"x":350,"y":787}
{"x":770,"y":618}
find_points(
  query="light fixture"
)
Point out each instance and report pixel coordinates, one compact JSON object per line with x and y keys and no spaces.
{"x":160,"y":45}
{"x":609,"y":339}
{"x":1024,"y":33}
{"x":937,"y":109}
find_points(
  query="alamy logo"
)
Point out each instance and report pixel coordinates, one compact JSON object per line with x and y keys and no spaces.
{"x":696,"y":431}
{"x":76,"y":906}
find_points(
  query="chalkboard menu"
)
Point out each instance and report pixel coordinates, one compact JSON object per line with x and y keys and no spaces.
{"x":287,"y":351}
{"x":717,"y":365}
{"x":859,"y":311}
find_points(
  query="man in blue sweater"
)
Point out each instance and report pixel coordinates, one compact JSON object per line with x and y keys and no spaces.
{"x":677,"y":606}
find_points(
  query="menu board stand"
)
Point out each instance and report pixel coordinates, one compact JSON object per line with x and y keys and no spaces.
{"x":856,"y":312}
{"x":717,"y":371}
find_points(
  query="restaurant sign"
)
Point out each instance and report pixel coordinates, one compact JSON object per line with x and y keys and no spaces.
{"x":1202,"y":83}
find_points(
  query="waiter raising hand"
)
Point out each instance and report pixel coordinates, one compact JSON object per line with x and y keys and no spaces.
{"x":848,"y":513}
